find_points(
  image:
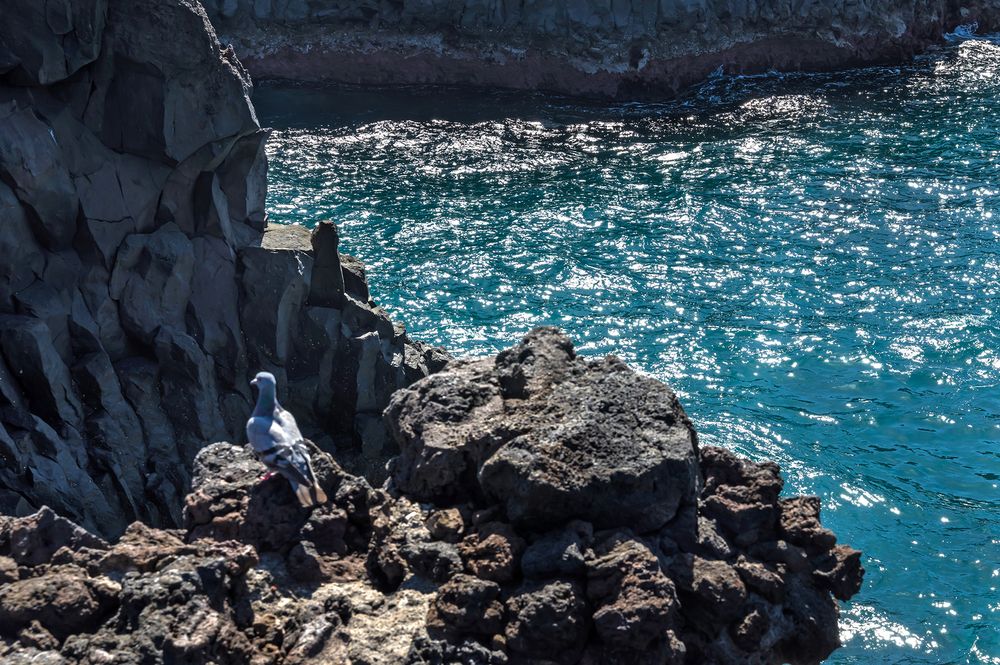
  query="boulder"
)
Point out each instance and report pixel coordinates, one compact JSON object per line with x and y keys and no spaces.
{"x":562,"y":552}
{"x":636,"y":602}
{"x":308,"y":565}
{"x":741,"y":496}
{"x":32,"y":540}
{"x":712,"y":591}
{"x":228,"y":501}
{"x":766,"y":581}
{"x":466,"y":605}
{"x":446,"y":524}
{"x":435,"y":422}
{"x":64,"y":602}
{"x":800,"y":525}
{"x":548,"y":621}
{"x":565,"y":447}
{"x":813,"y":635}
{"x":840,"y":572}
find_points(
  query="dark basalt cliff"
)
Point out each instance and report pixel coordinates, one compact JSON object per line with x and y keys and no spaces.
{"x":137,"y":284}
{"x":606,"y":48}
{"x":567,"y":516}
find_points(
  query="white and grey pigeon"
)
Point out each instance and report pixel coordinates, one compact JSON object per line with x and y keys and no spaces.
{"x":276,"y":440}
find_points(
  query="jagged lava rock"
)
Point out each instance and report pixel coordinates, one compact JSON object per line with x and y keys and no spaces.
{"x":550,"y":436}
{"x":65,"y":601}
{"x":709,"y":564}
{"x":548,"y":620}
{"x":636,"y":602}
{"x":377,"y":577}
{"x":34,"y":539}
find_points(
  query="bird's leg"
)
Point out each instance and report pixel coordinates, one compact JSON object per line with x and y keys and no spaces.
{"x":266,"y":476}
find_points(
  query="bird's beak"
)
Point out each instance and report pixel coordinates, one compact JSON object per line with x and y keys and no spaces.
{"x":253,"y":383}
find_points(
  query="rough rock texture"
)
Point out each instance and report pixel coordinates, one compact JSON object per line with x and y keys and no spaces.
{"x":617,"y":48}
{"x":551,"y":436}
{"x":375,"y":577}
{"x":592,"y":515}
{"x":139,"y":285}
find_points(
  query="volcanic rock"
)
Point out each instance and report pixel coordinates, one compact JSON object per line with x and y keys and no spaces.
{"x":493,"y":552}
{"x":64,"y":602}
{"x":32,"y":540}
{"x":548,"y":621}
{"x":255,"y":578}
{"x":446,"y":524}
{"x":800,"y":524}
{"x":717,"y":580}
{"x":560,"y":552}
{"x":636,"y":602}
{"x":546,"y":434}
{"x":467,"y":605}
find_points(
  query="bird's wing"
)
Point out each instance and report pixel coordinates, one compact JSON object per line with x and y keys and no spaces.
{"x":287,"y":421}
{"x":266,"y":436}
{"x":300,"y":474}
{"x":293,"y":462}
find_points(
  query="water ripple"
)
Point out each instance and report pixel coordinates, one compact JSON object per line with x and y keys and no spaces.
{"x":811,"y":261}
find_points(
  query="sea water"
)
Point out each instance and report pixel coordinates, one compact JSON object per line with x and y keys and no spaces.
{"x":811,"y":262}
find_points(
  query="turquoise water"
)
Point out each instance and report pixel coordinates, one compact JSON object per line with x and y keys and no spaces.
{"x":812,"y":262}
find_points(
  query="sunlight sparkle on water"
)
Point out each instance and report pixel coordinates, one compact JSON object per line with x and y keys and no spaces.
{"x":811,"y":262}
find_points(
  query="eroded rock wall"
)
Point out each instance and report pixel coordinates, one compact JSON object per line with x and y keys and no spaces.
{"x":613,"y":48}
{"x":138,"y":284}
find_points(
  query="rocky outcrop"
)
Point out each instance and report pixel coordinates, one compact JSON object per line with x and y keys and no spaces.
{"x":591,"y":515}
{"x":607,"y":48}
{"x":139,"y":283}
{"x":551,"y":436}
{"x":729,"y":572}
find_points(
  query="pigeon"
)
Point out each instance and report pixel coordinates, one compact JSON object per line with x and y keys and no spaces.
{"x":277,"y":442}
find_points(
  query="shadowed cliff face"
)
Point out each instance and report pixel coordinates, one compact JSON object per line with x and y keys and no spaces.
{"x":672,"y":555}
{"x":604,"y":48}
{"x":138,"y":288}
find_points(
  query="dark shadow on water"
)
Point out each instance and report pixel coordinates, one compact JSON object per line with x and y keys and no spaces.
{"x":286,"y":105}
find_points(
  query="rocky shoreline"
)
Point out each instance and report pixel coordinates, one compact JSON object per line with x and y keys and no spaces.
{"x":544,"y":509}
{"x":537,"y":507}
{"x":594,"y":48}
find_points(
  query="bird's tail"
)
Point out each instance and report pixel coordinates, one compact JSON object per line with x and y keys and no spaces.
{"x":310,"y":495}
